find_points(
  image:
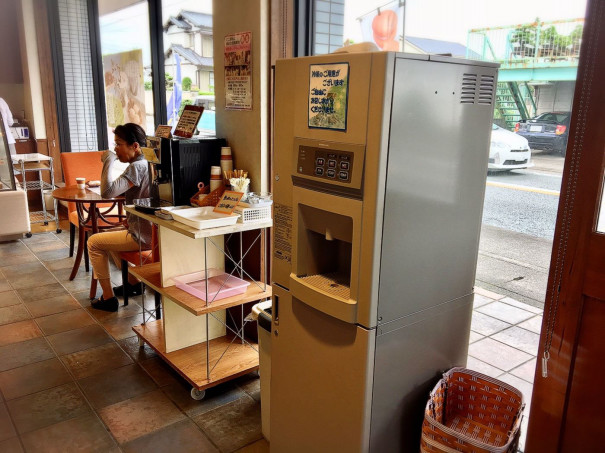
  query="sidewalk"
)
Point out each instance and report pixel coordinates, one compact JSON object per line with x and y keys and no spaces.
{"x":547,"y":162}
{"x":505,"y":335}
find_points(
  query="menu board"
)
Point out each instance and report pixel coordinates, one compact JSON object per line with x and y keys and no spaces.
{"x":188,"y":121}
{"x":328,"y":96}
{"x":163,"y":131}
{"x":238,"y":71}
{"x":151,"y":152}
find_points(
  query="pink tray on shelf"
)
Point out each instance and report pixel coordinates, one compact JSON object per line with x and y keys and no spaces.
{"x":220,"y":284}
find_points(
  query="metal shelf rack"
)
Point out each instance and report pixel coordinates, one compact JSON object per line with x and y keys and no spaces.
{"x":36,"y":162}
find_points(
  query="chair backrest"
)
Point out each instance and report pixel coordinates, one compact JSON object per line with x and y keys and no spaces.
{"x":86,"y":164}
{"x":147,"y":256}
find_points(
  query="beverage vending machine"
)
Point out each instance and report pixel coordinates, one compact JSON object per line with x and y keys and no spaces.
{"x":380,"y":164}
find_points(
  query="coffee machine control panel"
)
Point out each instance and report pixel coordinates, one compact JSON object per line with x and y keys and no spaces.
{"x":333,"y":165}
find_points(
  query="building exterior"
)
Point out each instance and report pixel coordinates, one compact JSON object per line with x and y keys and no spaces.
{"x":538,"y":65}
{"x":414,"y":44}
{"x":190,"y":36}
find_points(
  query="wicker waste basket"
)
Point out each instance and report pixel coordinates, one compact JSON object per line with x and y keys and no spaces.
{"x":471,"y":413}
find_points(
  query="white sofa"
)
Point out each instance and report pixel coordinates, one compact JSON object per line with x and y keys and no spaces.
{"x":14,"y":220}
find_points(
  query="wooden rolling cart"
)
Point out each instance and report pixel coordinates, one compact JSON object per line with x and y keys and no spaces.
{"x":193,"y":336}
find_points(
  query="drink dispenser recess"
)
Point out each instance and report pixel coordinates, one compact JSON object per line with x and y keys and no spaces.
{"x":327,"y":230}
{"x":324,"y":252}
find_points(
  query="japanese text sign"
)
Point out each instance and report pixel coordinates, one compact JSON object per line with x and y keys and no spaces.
{"x":328,"y":96}
{"x":228,"y":202}
{"x":188,"y":121}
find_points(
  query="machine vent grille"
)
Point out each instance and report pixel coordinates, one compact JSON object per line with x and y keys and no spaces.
{"x":469,"y":88}
{"x":333,"y":284}
{"x":486,"y":90}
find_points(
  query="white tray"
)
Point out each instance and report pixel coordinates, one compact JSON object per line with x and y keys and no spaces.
{"x":204,"y":217}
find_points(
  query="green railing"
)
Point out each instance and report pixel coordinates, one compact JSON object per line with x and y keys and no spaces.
{"x":534,"y":45}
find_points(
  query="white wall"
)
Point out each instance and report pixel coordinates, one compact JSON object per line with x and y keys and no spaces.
{"x":34,"y":108}
{"x":207,"y":46}
{"x":14,"y":95}
{"x":246,"y":132}
{"x":11,"y":74}
{"x":179,"y":37}
{"x":555,"y":97}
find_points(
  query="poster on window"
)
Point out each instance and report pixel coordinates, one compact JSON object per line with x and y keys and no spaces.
{"x":328,"y":96}
{"x":238,"y":71}
{"x":124,"y":89}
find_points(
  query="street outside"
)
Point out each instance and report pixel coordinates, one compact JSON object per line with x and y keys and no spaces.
{"x":519,"y":217}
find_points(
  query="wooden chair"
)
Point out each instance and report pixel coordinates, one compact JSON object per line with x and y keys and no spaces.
{"x":87,"y":165}
{"x":141,"y":258}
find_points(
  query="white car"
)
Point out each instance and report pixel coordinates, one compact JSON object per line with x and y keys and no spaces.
{"x":508,"y":151}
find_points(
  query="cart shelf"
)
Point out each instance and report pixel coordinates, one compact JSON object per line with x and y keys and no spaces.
{"x":32,"y":166}
{"x":239,"y":359}
{"x":36,"y":162}
{"x":150,"y":275}
{"x":38,"y":185}
{"x":180,"y":337}
{"x":198,"y":234}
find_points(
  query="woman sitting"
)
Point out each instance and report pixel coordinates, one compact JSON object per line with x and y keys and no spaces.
{"x":133,"y":183}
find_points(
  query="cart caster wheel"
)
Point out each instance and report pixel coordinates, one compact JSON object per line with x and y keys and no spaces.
{"x":28,"y":234}
{"x":141,"y":342}
{"x":198,"y":394}
{"x":45,"y":223}
{"x":59,"y":230}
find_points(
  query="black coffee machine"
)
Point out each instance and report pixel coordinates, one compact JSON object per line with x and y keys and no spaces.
{"x":179,"y":165}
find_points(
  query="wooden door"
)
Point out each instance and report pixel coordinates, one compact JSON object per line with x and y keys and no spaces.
{"x":568,"y":405}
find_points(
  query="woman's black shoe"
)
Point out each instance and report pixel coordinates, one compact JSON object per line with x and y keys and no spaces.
{"x":105,"y":305}
{"x":133,"y":290}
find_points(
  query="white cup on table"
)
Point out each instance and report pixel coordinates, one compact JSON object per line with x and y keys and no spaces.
{"x":81,"y":182}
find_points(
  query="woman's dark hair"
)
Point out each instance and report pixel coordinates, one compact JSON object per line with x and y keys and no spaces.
{"x":131,"y":133}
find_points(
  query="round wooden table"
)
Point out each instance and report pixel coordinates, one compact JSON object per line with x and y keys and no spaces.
{"x":89,"y":214}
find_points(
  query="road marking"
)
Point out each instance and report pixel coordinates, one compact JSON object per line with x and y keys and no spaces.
{"x":523,"y":188}
{"x":513,"y":261}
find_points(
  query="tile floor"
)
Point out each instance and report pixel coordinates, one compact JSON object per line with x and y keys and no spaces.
{"x":75,"y":379}
{"x":505,"y":335}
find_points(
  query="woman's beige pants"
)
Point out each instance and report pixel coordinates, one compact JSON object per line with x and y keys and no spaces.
{"x":109,"y":243}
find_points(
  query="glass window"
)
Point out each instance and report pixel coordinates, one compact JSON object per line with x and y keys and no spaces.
{"x":538,"y":61}
{"x":339,"y":23}
{"x":188,"y":64}
{"x":80,"y":102}
{"x":126,"y":50}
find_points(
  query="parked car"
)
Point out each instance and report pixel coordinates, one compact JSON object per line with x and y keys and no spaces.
{"x":547,"y":131}
{"x":508,"y":151}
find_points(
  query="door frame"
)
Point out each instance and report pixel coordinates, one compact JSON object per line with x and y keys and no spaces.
{"x":577,"y":269}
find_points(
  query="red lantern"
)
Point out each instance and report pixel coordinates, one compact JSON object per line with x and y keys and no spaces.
{"x":391,"y":45}
{"x":384,"y":27}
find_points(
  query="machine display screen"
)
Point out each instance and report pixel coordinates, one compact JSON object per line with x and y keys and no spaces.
{"x":333,"y":165}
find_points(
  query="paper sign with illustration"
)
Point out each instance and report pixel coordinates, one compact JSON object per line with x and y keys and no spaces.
{"x":228,"y":202}
{"x":328,"y":96}
{"x":124,"y":88}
